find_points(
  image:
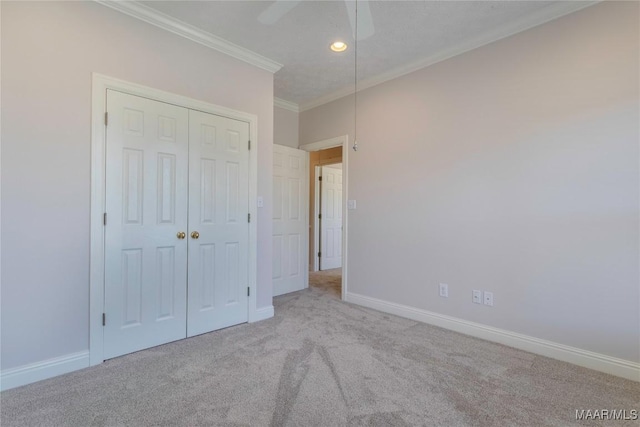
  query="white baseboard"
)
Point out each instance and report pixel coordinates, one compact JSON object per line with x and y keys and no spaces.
{"x":261,"y":314}
{"x":22,"y":375}
{"x":27,"y":374}
{"x":599,"y":362}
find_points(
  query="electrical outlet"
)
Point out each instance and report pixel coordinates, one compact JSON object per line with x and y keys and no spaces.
{"x":477,"y":296}
{"x":444,"y":290}
{"x":488,"y":298}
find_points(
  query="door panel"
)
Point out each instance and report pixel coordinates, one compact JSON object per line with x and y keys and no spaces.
{"x":331,"y":221}
{"x":218,"y":209}
{"x":290,"y":223}
{"x":146,"y":185}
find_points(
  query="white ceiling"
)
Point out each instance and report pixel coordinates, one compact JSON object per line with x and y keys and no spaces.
{"x":408,"y":35}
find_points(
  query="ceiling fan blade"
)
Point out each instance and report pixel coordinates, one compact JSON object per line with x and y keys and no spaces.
{"x":365,"y":20}
{"x":277,"y":10}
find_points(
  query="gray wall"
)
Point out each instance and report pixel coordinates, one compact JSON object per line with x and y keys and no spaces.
{"x":285,"y":127}
{"x":49,"y":51}
{"x":512,"y":168}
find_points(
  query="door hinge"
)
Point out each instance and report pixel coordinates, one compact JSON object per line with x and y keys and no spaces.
{"x":319,"y":178}
{"x":106,"y":118}
{"x":248,"y":217}
{"x":249,"y":145}
{"x":248,"y":291}
{"x":319,"y":216}
{"x":104,"y":319}
{"x":104,"y":218}
{"x":319,"y":254}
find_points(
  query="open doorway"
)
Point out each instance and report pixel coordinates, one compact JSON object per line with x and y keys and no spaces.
{"x":326,"y":221}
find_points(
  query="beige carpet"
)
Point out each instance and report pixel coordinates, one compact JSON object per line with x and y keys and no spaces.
{"x":321,"y":362}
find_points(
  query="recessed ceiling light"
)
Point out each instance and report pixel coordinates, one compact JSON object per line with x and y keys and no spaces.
{"x":338,"y":46}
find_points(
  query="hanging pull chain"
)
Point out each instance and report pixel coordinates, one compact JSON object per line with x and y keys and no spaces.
{"x":355,"y":84}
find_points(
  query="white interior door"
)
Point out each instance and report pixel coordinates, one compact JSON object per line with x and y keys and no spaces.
{"x":331,"y":217}
{"x":145,"y":259}
{"x":218,"y":222}
{"x":290,"y":219}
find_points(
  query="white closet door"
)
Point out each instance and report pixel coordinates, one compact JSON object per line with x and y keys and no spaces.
{"x":145,"y":260}
{"x":331,"y":221}
{"x":218,"y":222}
{"x":290,"y":219}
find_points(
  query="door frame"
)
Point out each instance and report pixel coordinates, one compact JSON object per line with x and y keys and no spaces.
{"x":100,"y":84}
{"x":342,"y":140}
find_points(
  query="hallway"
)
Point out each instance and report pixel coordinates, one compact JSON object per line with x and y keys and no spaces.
{"x":329,"y":281}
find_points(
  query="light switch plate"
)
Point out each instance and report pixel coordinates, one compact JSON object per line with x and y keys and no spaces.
{"x":351,"y":205}
{"x":260,"y":202}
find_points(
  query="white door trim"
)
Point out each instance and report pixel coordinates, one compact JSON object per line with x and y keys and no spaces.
{"x":342,"y":140}
{"x":327,"y":143}
{"x":100,"y":84}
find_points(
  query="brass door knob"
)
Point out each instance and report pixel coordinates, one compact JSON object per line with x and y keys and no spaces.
{"x":195,"y":234}
{"x":181,"y":235}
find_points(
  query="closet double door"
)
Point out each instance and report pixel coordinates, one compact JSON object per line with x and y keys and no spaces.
{"x":176,"y":224}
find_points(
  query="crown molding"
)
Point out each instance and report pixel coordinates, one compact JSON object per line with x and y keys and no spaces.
{"x":287,"y":105}
{"x":175,"y":26}
{"x":540,"y":17}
